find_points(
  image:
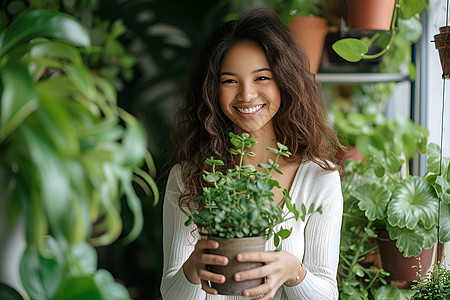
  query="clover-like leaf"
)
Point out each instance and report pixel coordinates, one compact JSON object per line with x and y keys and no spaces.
{"x":373,"y":200}
{"x":413,"y":200}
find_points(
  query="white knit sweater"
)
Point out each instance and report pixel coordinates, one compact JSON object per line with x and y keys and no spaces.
{"x":315,"y":242}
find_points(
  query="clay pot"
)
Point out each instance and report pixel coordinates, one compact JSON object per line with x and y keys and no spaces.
{"x":230,"y":248}
{"x":369,"y":14}
{"x":397,"y":265}
{"x":442,"y":43}
{"x":309,"y":32}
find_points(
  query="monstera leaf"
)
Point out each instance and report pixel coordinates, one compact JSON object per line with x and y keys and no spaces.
{"x":413,"y":200}
{"x":373,"y":200}
{"x":411,"y":242}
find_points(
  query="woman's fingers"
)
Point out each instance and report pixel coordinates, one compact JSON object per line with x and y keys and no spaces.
{"x":260,"y":272}
{"x":258,"y":256}
{"x":213,"y":277}
{"x":208,"y":289}
{"x":211,"y":259}
{"x":206,"y":244}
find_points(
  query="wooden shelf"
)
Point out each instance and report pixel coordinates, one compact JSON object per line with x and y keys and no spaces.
{"x":356,"y":78}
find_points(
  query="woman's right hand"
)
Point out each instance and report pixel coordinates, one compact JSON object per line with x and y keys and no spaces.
{"x":195,"y":266}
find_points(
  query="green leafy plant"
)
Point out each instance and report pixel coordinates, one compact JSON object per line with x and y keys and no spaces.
{"x":434,"y":285}
{"x":408,"y":207}
{"x":69,"y":155}
{"x":405,"y":21}
{"x":239,"y":203}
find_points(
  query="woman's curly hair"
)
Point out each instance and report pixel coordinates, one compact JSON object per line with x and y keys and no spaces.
{"x":202,"y":128}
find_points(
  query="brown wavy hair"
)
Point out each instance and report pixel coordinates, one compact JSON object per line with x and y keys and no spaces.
{"x":299,"y":123}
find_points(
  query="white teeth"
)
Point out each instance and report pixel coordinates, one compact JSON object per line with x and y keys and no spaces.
{"x":249,"y":110}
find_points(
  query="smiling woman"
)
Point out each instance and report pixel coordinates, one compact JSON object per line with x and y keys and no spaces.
{"x":251,"y":77}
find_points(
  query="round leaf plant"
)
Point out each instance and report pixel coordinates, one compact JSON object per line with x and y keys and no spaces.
{"x":240,"y":203}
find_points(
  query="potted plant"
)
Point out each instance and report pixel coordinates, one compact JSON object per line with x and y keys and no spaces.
{"x":410,"y":208}
{"x":238,"y":207}
{"x":405,"y":22}
{"x":69,"y":155}
{"x":434,"y":285}
{"x":308,"y":25}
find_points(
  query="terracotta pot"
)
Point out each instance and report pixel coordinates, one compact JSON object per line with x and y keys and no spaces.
{"x":442,"y":43}
{"x":230,"y":248}
{"x":369,"y":14}
{"x":309,"y":32}
{"x":399,"y":266}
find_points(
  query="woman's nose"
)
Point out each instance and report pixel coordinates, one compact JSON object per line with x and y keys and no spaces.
{"x":247,"y":92}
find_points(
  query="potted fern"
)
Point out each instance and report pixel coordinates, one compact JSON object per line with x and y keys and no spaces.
{"x":239,"y":209}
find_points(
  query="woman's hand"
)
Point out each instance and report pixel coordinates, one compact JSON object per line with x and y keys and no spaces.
{"x":278,"y":268}
{"x":195,"y":266}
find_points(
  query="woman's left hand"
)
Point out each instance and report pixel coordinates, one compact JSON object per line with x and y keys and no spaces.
{"x":278,"y":268}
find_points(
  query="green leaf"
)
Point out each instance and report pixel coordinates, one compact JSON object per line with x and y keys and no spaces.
{"x":433,"y":160}
{"x":41,"y":276}
{"x":373,"y":200}
{"x":82,"y":259}
{"x":408,"y":241}
{"x":350,"y":49}
{"x":18,"y":99}
{"x":134,"y":143}
{"x":444,"y":223}
{"x":110,"y":289}
{"x":82,"y":79}
{"x":40,"y":23}
{"x":284,"y":233}
{"x":76,"y":288}
{"x":386,"y":292}
{"x":410,"y":8}
{"x":444,"y":192}
{"x":410,"y":29}
{"x":55,"y":185}
{"x":413,"y":200}
{"x":8,"y":293}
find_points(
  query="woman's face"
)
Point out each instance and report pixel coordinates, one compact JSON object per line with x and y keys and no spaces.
{"x":248,"y":96}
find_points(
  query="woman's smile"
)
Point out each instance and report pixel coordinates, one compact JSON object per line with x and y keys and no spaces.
{"x":250,"y":112}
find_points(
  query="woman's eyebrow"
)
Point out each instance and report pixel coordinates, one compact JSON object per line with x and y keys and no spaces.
{"x":255,"y":71}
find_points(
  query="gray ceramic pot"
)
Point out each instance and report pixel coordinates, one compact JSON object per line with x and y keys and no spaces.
{"x":230,"y":248}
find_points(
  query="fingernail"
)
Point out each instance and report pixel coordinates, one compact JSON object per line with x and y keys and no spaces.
{"x":239,"y":257}
{"x":246,"y":294}
{"x":237,"y":277}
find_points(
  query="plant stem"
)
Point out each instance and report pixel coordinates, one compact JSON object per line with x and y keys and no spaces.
{"x":270,"y":170}
{"x":392,"y":29}
{"x":241,"y":160}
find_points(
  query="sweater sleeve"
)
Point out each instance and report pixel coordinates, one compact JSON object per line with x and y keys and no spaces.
{"x":322,"y":238}
{"x":178,"y":244}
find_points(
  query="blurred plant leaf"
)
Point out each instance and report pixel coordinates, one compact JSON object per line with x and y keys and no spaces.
{"x":40,"y":23}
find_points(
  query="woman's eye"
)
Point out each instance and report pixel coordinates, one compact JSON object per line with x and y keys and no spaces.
{"x":262,"y":78}
{"x":229,"y":81}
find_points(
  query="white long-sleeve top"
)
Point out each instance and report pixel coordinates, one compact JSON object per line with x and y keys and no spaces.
{"x":315,"y":242}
